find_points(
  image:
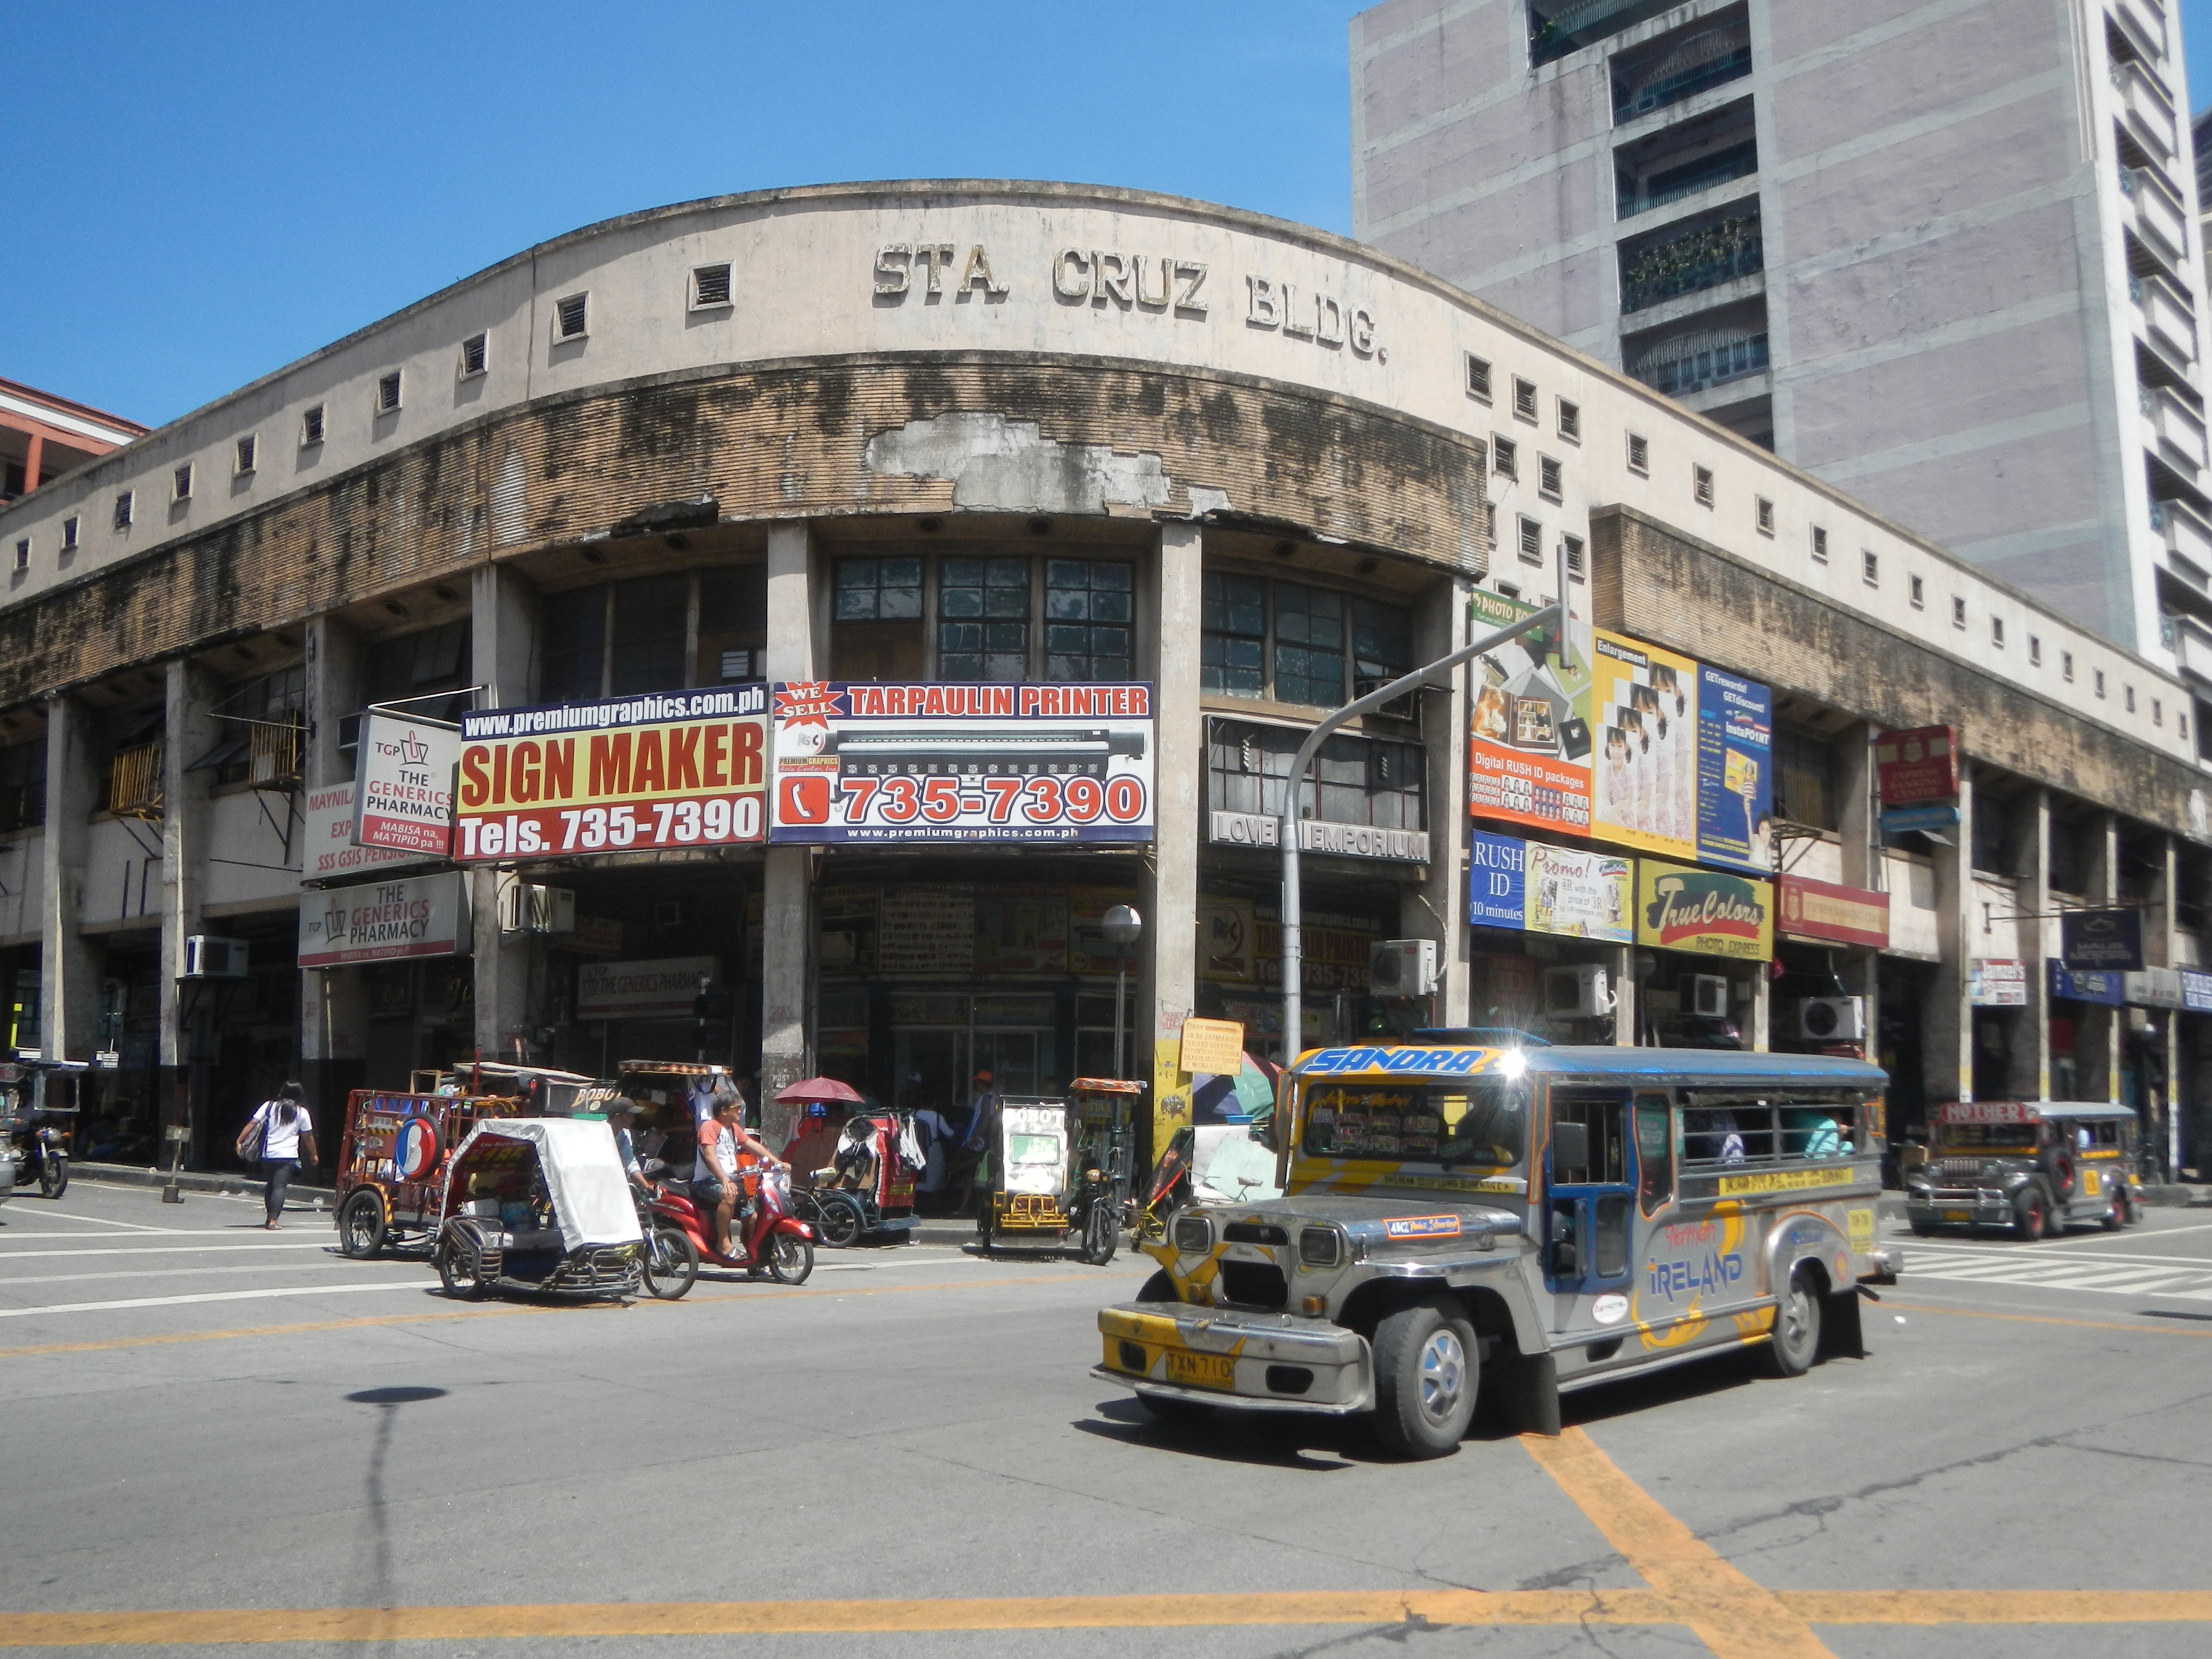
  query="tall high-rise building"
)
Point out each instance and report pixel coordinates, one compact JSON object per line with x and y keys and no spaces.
{"x":1944,"y":255}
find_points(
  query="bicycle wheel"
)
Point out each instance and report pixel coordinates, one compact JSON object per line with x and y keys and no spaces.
{"x":672,"y":1263}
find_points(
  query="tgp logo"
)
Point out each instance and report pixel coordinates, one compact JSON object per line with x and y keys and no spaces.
{"x":410,"y":750}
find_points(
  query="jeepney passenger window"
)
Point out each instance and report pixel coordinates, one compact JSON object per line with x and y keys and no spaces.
{"x":1606,"y":1120}
{"x":1722,"y":1136}
{"x":1655,"y":1150}
{"x":1481,"y":1124}
{"x":1818,"y":1132}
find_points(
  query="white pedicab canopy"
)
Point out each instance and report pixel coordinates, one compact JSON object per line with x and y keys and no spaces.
{"x":584,"y":1177}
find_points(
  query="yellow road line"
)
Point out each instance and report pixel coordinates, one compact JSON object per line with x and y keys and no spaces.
{"x":2048,"y":1319}
{"x":1730,"y":1612}
{"x":766,"y":1296}
{"x":217,"y":1626}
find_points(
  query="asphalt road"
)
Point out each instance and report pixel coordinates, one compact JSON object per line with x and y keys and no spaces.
{"x":203,"y":1416}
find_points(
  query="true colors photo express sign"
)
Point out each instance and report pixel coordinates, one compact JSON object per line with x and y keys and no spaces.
{"x":640,"y":774}
{"x":962,"y":762}
{"x":1706,"y":912}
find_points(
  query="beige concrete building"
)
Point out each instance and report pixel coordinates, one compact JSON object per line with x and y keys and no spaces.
{"x":1190,"y":477}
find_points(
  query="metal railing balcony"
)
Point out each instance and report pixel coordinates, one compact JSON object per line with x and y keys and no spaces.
{"x":2159,"y":218}
{"x":2168,"y":316}
{"x":1693,"y":362}
{"x":1704,"y":256}
{"x":134,"y":782}
{"x":1703,"y":61}
{"x":2146,"y":108}
{"x":1673,"y":184}
{"x":2177,"y":429}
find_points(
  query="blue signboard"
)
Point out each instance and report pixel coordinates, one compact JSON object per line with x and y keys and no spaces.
{"x":1736,"y":771}
{"x":2085,"y":984}
{"x":1496,"y":886}
{"x":1896,"y":820}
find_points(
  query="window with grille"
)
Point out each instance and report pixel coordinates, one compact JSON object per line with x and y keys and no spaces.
{"x":1701,"y":482}
{"x":1233,"y":634}
{"x":1571,"y":421}
{"x":1382,"y":649}
{"x":413,"y":667}
{"x":1639,"y":453}
{"x":23,"y":554}
{"x":1089,"y":614}
{"x":1919,"y":593}
{"x":1478,"y":377}
{"x":1870,"y":568}
{"x":475,"y":352}
{"x":311,"y":426}
{"x":1958,"y":613}
{"x":569,"y":317}
{"x":387,"y":392}
{"x":259,"y":729}
{"x":1309,"y":645}
{"x":2034,"y":650}
{"x":248,"y":447}
{"x":1550,"y":478}
{"x":733,"y":625}
{"x":1573,"y":544}
{"x":1997,"y":632}
{"x":123,"y":509}
{"x":710,"y":286}
{"x":1805,"y":779}
{"x":1532,"y":542}
{"x":1820,"y":545}
{"x":22,"y":786}
{"x":1505,"y":458}
{"x":1375,"y":782}
{"x":1764,"y":514}
{"x":180,"y":483}
{"x":69,"y":531}
{"x":983,"y":619}
{"x":1524,"y":398}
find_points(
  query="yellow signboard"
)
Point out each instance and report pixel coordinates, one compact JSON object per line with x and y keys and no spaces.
{"x":1704,"y":911}
{"x":1783,"y":1181}
{"x":1212,"y":1045}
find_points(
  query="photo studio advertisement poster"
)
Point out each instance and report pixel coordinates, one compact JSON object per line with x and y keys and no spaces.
{"x":1529,"y":731}
{"x":638,"y":773}
{"x":965,"y":763}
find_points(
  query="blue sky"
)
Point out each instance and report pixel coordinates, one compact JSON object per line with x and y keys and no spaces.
{"x":199,"y":194}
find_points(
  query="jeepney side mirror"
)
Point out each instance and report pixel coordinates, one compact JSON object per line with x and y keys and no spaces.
{"x":1569,"y":1148}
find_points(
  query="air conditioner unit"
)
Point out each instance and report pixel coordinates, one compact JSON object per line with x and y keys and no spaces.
{"x":1705,"y":995}
{"x":1401,"y":967}
{"x":529,"y":909}
{"x":1581,"y":991}
{"x":208,"y":957}
{"x":1832,"y":1019}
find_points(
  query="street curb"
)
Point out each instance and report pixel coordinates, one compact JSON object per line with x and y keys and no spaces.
{"x":194,"y":1180}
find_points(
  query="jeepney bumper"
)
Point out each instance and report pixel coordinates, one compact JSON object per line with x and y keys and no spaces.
{"x":1252,"y":1362}
{"x":1959,"y":1207}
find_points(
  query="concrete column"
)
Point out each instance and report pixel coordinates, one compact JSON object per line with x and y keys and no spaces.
{"x":1947,"y":1045}
{"x":1627,"y":996}
{"x":1759,"y":1018}
{"x":2161,"y":949}
{"x":69,"y":963}
{"x":503,"y":632}
{"x":788,"y":926}
{"x":334,"y":1001}
{"x":1437,"y":908}
{"x":2031,"y":1030}
{"x":2097,"y":1035}
{"x":1860,"y":833}
{"x":33,"y":460}
{"x":1171,"y":890}
{"x":190,"y":730}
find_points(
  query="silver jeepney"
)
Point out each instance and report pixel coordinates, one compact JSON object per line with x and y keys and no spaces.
{"x":1519,"y":1221}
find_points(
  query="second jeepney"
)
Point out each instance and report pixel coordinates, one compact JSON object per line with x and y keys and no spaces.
{"x":1516,"y":1220}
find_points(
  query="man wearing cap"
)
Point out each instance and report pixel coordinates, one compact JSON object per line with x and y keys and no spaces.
{"x":622,"y":1118}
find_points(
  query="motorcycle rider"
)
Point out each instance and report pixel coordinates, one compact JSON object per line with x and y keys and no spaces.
{"x":714,"y":1179}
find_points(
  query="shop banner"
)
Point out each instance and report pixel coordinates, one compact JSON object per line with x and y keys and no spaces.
{"x":876,"y":762}
{"x":1704,"y":911}
{"x":1919,"y":767}
{"x":1992,"y":982}
{"x":2152,"y":987}
{"x":1528,"y":743}
{"x":329,"y":853}
{"x":1837,"y":914}
{"x":661,"y":989}
{"x":2101,"y":938}
{"x":403,"y":784}
{"x":1735,"y":773}
{"x":1538,"y":888}
{"x":2085,"y":984}
{"x":384,"y":921}
{"x":635,"y":775}
{"x":1350,"y":840}
{"x":2196,"y":992}
{"x":1643,"y":787}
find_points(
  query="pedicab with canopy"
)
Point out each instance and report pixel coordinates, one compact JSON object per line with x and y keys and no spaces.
{"x":538,"y":1204}
{"x":1058,"y":1170}
{"x":852,"y":1163}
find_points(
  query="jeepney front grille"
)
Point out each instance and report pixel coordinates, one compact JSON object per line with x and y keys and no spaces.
{"x":1255,"y":1232}
{"x":1961,"y":1168}
{"x":1255,"y":1285}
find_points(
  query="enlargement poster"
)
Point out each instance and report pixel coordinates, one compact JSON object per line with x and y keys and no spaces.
{"x":680,"y":769}
{"x":1736,"y":771}
{"x":1645,"y":784}
{"x":887,"y":763}
{"x":1529,"y":733}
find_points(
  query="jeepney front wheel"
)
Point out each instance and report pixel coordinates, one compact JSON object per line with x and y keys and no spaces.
{"x":1796,"y":1337}
{"x":361,"y":1224}
{"x":2031,"y":1214}
{"x":1425,"y":1378}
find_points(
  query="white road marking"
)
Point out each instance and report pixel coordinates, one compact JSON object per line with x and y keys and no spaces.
{"x":2190,"y":1281}
{"x":8,"y":1285}
{"x":1984,"y":1252}
{"x":416,"y":1285}
{"x":156,"y":1249}
{"x":46,"y":1213}
{"x":243,"y":1235}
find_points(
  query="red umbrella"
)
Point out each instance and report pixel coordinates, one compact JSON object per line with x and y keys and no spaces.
{"x":822,"y":1090}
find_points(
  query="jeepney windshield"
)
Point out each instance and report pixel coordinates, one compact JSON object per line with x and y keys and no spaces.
{"x":1988,"y":1136}
{"x":1474,"y":1122}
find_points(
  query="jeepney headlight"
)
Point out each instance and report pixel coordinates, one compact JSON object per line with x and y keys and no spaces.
{"x":1320,"y":1246}
{"x":1194,"y":1234}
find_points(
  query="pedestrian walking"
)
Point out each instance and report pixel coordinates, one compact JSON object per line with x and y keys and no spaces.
{"x":276,"y":1137}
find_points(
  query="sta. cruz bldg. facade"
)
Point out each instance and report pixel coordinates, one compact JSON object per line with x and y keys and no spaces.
{"x":846,"y":595}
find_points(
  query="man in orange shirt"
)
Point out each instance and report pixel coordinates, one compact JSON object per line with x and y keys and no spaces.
{"x":715,"y":1172}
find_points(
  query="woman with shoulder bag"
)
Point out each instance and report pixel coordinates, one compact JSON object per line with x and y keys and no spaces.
{"x":276,"y":1137}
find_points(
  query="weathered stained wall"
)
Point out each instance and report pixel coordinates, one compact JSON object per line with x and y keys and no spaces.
{"x":788,"y":442}
{"x":1674,"y":590}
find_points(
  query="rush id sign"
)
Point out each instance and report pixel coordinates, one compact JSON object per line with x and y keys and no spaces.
{"x":1704,"y":911}
{"x":637,"y":774}
{"x":383,"y":922}
{"x":403,"y":784}
{"x":919,"y":764}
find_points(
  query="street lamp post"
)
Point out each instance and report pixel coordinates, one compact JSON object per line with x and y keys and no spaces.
{"x":1287,"y":825}
{"x":1123,"y":928}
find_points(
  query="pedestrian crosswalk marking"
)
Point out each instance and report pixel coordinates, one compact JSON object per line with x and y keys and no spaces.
{"x":2020,"y":1266}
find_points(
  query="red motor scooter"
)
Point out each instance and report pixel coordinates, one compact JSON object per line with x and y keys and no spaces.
{"x":771,"y":1239}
